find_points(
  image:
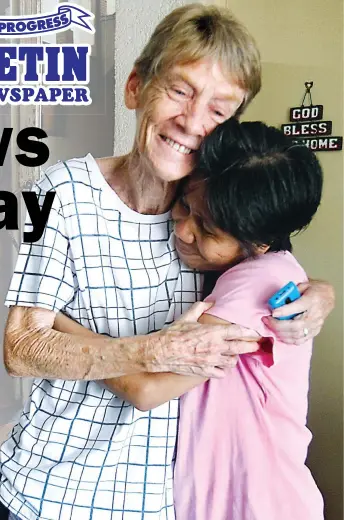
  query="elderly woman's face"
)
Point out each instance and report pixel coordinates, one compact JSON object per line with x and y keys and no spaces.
{"x":179,"y":111}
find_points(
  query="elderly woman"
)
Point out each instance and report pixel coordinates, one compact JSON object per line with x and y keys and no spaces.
{"x":107,"y":259}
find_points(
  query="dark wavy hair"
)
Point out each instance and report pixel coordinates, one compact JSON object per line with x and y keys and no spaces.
{"x":260,"y":187}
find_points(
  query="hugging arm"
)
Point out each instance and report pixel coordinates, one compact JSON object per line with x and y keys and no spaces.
{"x":33,"y":348}
{"x":147,"y":390}
{"x":316,"y":302}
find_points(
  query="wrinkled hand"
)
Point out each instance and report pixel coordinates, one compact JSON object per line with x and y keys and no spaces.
{"x":191,"y":348}
{"x":316,"y":303}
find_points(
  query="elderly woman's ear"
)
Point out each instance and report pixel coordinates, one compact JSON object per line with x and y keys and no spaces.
{"x":132,"y":90}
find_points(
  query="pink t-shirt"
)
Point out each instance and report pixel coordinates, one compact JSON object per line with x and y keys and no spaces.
{"x":243,"y":440}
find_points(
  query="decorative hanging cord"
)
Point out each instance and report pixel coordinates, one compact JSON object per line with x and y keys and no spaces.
{"x":308,"y":85}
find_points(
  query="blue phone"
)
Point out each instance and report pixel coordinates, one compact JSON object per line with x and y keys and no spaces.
{"x":289,"y":293}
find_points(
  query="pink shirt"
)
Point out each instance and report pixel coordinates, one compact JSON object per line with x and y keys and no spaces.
{"x":243,"y":440}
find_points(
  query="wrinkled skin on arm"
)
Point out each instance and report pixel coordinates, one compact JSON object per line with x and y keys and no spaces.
{"x":32,"y":348}
{"x":148,"y":390}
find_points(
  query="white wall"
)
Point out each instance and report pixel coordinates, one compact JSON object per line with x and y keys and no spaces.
{"x":135,"y":21}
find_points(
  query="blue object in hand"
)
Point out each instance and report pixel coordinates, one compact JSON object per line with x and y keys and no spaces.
{"x":287,"y":294}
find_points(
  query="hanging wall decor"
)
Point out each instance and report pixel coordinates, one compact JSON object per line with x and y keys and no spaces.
{"x":307,"y":127}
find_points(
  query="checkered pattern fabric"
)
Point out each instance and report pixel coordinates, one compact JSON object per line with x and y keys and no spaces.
{"x":79,"y":452}
{"x":12,"y":517}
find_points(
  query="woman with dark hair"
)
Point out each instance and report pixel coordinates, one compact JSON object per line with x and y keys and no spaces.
{"x":243,"y":440}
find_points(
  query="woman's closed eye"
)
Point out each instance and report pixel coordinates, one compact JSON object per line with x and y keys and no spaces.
{"x":183,"y":202}
{"x":204,"y":227}
{"x":219,"y":115}
{"x":179,"y":92}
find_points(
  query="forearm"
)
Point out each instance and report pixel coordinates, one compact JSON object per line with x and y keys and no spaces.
{"x":146,"y":391}
{"x":326,"y":291}
{"x":33,"y":349}
{"x":143,"y":390}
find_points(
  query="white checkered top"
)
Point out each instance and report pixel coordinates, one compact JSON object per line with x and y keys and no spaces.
{"x":78,"y":451}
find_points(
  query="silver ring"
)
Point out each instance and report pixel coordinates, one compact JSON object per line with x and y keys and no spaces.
{"x":305,"y":332}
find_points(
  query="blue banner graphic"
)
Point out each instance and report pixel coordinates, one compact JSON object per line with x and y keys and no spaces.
{"x":60,"y":20}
